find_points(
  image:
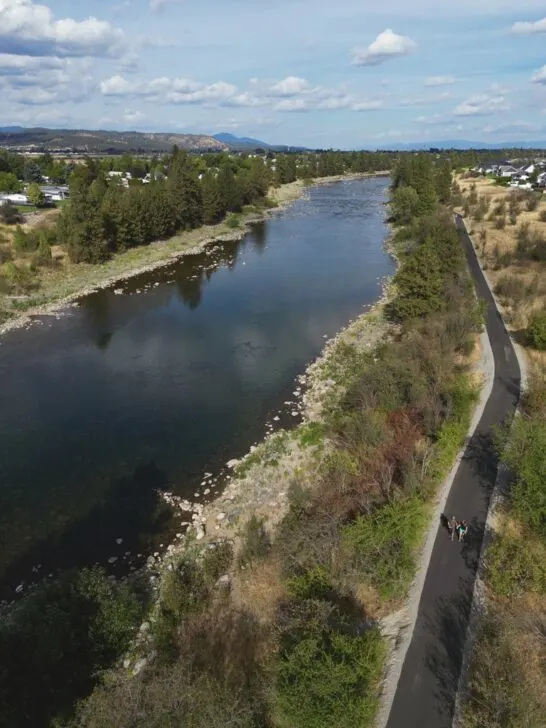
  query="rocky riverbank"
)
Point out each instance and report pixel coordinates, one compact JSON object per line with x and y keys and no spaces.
{"x":259,"y":484}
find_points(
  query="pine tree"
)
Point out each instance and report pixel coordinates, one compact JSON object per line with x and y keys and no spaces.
{"x":185,"y":191}
{"x":213,"y":207}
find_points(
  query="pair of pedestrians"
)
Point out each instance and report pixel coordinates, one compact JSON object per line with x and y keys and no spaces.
{"x":458,"y":528}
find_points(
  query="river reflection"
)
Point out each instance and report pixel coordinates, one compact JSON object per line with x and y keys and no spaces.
{"x":130,"y":394}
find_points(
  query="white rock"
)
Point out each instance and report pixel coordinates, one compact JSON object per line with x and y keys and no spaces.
{"x":232,"y":463}
{"x":220,"y":516}
{"x":112,"y":559}
{"x":140,"y":665}
{"x":119,"y":541}
{"x":19,"y":589}
{"x":206,"y":491}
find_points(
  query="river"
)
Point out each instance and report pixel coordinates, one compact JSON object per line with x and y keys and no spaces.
{"x":129,"y":394}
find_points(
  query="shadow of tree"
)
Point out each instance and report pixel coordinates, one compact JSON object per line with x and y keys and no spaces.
{"x":444,"y":655}
{"x":482,"y":454}
{"x":131,"y":507}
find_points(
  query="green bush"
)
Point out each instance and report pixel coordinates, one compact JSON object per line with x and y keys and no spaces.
{"x":382,"y":546}
{"x":536,"y":331}
{"x":233,"y":220}
{"x":526,"y":455}
{"x":18,"y":277}
{"x":329,"y":678}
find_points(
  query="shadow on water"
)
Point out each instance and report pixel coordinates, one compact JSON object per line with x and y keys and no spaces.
{"x":258,"y":237}
{"x":101,"y":315}
{"x":130,"y":501}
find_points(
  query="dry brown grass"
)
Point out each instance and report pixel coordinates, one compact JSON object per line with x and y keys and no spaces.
{"x":529,"y":274}
{"x":259,"y":589}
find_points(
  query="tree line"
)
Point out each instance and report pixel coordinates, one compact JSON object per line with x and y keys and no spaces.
{"x":104,"y":217}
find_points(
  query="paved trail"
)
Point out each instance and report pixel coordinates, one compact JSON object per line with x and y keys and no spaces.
{"x":425,"y":696}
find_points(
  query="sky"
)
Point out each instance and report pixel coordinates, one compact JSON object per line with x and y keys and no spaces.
{"x":342,"y":74}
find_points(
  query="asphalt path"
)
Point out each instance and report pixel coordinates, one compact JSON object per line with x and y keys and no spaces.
{"x":425,"y":695}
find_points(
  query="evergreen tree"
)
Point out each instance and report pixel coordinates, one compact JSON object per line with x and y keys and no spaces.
{"x":442,"y":180}
{"x":213,"y":203}
{"x":404,"y":204}
{"x":185,"y":191}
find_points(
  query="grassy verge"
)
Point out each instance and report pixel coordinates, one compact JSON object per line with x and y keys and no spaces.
{"x":507,"y":670}
{"x":507,"y":685}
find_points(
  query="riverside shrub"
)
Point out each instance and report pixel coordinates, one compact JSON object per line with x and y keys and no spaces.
{"x":536,"y":331}
{"x":328,"y":675}
{"x":382,"y":545}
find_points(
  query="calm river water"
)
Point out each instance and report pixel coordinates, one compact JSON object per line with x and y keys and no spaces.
{"x":128,"y":394}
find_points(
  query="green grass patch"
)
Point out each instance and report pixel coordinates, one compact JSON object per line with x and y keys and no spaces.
{"x":311,"y":434}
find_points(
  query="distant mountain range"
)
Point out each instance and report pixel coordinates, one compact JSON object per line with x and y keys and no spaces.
{"x":248,"y":143}
{"x":117,"y":142}
{"x":464,"y":144}
{"x":234,"y":141}
{"x":114,"y":142}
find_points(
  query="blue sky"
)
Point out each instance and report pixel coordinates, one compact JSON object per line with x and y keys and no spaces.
{"x":346,"y":74}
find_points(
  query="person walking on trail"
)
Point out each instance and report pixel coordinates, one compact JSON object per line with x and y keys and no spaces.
{"x":462,"y":529}
{"x":452,"y":526}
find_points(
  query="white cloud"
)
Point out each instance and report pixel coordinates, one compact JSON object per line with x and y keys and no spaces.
{"x":439,"y":80}
{"x":29,"y":29}
{"x":15,"y":64}
{"x":135,"y":117}
{"x":387,"y":45}
{"x":540,"y":75}
{"x":26,"y":80}
{"x":116,"y":86}
{"x":44,"y":117}
{"x":290,"y":86}
{"x":214,"y":92}
{"x":481,"y":105}
{"x":526,"y":28}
